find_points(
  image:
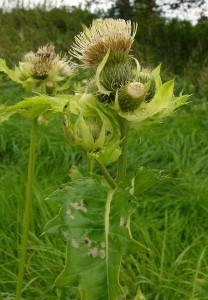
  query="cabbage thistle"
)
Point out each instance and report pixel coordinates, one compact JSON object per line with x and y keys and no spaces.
{"x":92,"y":127}
{"x":42,"y":71}
{"x":137,"y":95}
{"x":95,"y":216}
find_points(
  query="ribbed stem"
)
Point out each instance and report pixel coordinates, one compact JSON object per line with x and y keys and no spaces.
{"x":28,"y":205}
{"x":107,"y":175}
{"x":122,"y":161}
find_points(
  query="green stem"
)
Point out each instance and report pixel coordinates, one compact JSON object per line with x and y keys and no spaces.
{"x":122,"y":161}
{"x":106,"y":174}
{"x":28,"y":206}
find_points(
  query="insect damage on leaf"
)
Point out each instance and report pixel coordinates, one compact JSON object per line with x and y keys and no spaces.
{"x":87,"y":241}
{"x":74,"y":243}
{"x":93,"y":252}
{"x":69,"y":214}
{"x":79,"y":206}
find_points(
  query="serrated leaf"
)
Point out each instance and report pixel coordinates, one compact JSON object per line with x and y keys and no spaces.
{"x":157,"y":78}
{"x":35,"y":106}
{"x":145,"y":179}
{"x":4,"y":68}
{"x":96,"y":224}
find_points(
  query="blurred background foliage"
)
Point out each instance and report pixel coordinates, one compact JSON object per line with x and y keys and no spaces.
{"x":172,"y":218}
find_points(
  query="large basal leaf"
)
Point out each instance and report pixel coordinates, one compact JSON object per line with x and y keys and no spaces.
{"x":96,"y":224}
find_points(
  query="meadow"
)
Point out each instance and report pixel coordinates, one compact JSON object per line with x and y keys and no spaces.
{"x":171,"y":218}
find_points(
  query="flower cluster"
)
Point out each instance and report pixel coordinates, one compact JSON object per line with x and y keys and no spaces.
{"x":44,"y":68}
{"x":119,"y":92}
{"x":136,"y":94}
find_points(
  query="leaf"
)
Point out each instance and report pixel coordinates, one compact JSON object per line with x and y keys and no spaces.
{"x":6,"y":70}
{"x":35,"y":106}
{"x":145,"y":179}
{"x":157,"y":78}
{"x":100,"y":67}
{"x":96,"y":224}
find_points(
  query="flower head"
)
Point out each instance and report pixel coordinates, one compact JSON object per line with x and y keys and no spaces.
{"x":44,"y":63}
{"x":92,"y":44}
{"x":141,"y":106}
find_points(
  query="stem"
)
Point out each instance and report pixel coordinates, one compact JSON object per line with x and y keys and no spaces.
{"x":28,"y":205}
{"x":122,"y":161}
{"x":106,"y":174}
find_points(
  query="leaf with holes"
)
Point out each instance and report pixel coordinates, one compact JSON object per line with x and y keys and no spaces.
{"x":96,"y":224}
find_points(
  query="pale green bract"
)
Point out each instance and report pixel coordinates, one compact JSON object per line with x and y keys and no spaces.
{"x":42,"y":107}
{"x":160,"y":106}
{"x":22,"y":76}
{"x":93,"y":127}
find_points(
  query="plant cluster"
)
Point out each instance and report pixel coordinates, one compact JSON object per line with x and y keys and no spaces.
{"x":95,"y":210}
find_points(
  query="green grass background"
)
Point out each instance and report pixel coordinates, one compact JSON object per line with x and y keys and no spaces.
{"x":172,"y":219}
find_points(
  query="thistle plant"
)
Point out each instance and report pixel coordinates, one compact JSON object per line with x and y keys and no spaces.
{"x":96,"y":210}
{"x":41,"y":72}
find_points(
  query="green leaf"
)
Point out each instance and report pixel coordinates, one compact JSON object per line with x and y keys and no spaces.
{"x":101,"y":88}
{"x":157,"y":78}
{"x":145,"y":179}
{"x":6,"y":70}
{"x":35,"y":106}
{"x":96,"y":224}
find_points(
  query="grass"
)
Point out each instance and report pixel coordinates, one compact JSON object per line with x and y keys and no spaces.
{"x":171,"y":218}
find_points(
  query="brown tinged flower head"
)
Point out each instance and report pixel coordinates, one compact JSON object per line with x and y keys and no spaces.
{"x":44,"y":63}
{"x":92,"y":44}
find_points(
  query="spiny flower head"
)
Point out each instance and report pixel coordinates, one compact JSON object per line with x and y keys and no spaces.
{"x":92,"y":44}
{"x":44,"y":63}
{"x":133,"y":102}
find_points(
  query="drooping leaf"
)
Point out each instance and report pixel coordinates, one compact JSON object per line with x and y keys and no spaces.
{"x":35,"y":106}
{"x":96,"y":224}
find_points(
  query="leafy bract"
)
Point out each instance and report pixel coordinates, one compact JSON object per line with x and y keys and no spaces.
{"x":4,"y":68}
{"x":100,"y":67}
{"x":90,"y":125}
{"x":53,"y":83}
{"x":96,"y":224}
{"x":162,"y":105}
{"x":41,"y":105}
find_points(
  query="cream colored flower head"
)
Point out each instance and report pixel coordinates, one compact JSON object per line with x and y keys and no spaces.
{"x":45,"y":63}
{"x":92,"y":44}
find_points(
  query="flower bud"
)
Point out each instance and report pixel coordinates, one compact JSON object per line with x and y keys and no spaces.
{"x":92,"y":127}
{"x":131,"y":96}
{"x":114,"y":75}
{"x":145,"y":76}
